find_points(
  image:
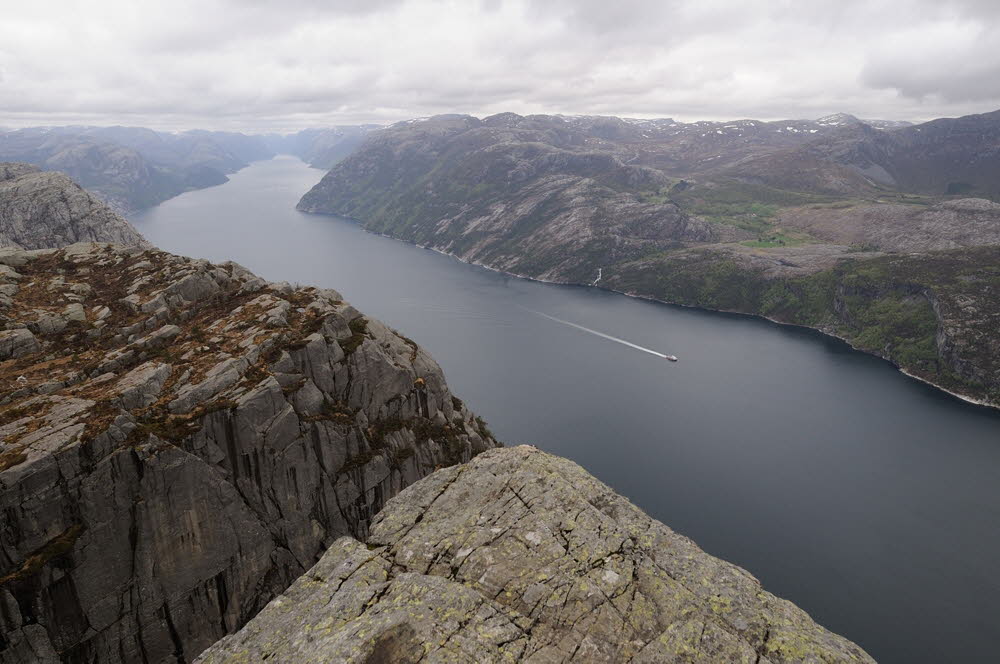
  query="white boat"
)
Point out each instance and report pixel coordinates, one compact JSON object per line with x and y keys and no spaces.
{"x":672,"y":358}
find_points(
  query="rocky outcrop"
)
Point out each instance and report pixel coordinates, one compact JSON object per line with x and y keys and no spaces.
{"x":44,"y":210}
{"x":182,"y":440}
{"x":522,"y":556}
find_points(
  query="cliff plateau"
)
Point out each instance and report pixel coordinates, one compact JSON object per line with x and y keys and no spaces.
{"x":182,"y":440}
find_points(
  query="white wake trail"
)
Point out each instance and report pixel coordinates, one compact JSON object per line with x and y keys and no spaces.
{"x":600,"y":334}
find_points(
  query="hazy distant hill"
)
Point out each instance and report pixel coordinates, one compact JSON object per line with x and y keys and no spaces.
{"x":132,"y":167}
{"x":321,"y":148}
{"x":950,"y":156}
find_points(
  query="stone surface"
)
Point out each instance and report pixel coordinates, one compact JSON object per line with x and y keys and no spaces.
{"x":522,"y":556}
{"x":177,"y":456}
{"x":45,"y":210}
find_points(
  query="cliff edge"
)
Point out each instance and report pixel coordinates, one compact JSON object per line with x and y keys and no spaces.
{"x":518,"y":555}
{"x":182,"y":440}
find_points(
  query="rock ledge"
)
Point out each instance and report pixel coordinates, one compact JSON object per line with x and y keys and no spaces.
{"x":522,"y":556}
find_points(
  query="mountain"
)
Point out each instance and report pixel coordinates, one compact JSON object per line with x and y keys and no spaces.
{"x":835,"y":223}
{"x":182,"y":440}
{"x":40,"y":210}
{"x":947,"y":156}
{"x":522,"y":556}
{"x":321,"y":148}
{"x":950,"y":156}
{"x":528,"y":195}
{"x":131,"y":168}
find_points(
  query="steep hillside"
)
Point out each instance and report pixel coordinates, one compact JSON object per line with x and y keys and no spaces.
{"x":522,"y":556}
{"x":131,"y":168}
{"x":43,"y":210}
{"x":934,"y":314}
{"x":182,"y":440}
{"x":722,"y":215}
{"x":520,"y":194}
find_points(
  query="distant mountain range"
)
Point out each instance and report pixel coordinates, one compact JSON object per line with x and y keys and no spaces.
{"x":321,"y":148}
{"x":132,"y":168}
{"x":881,"y":233}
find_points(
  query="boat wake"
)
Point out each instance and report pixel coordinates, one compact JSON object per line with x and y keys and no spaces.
{"x":600,"y":334}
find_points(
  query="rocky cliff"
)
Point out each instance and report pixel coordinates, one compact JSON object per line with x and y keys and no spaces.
{"x":44,"y":210}
{"x":182,"y":440}
{"x":522,"y":556}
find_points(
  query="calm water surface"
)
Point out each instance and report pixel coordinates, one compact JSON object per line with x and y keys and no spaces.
{"x":870,"y":500}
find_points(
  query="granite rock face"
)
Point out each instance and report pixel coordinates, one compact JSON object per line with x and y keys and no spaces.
{"x":44,"y":210}
{"x":182,"y":440}
{"x":522,"y":556}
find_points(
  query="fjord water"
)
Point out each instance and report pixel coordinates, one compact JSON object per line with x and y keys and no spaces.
{"x":867,"y":498}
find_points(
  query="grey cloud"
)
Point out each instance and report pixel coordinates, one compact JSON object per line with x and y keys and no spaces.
{"x":955,"y":70}
{"x":253,"y":64}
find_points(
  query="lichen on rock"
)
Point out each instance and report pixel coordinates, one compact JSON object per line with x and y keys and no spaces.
{"x":518,"y":555}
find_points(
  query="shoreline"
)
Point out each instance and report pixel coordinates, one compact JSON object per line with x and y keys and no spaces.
{"x":961,"y":397}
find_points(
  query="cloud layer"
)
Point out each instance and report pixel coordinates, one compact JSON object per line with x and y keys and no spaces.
{"x":252,"y":64}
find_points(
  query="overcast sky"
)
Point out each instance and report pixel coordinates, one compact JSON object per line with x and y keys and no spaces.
{"x":246,"y":64}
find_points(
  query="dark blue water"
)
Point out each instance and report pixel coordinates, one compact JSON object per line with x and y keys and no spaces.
{"x":867,"y":498}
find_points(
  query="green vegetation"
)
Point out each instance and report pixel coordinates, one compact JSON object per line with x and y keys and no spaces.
{"x":359,"y":327}
{"x":656,"y":196}
{"x":904,"y":325}
{"x":483,"y":429}
{"x":744,"y":205}
{"x":777,"y":238}
{"x":883,"y":305}
{"x":53,"y":549}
